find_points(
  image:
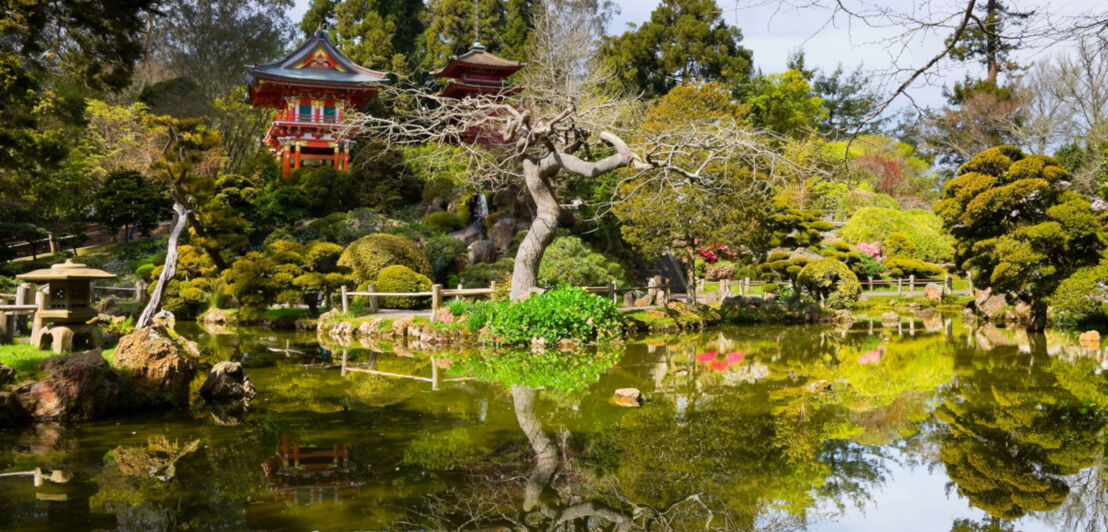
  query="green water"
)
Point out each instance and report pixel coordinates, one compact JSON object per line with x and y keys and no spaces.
{"x":810,"y":429}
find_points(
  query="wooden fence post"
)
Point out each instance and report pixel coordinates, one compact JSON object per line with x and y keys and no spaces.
{"x":746,"y":285}
{"x":372,"y":299}
{"x":652,"y":287}
{"x":668,"y":295}
{"x":912,"y":283}
{"x":700,"y":284}
{"x":436,"y":300}
{"x":969,"y":279}
{"x":948,"y":282}
{"x":724,"y":288}
{"x":140,"y":290}
{"x":612,"y":292}
{"x":492,"y":287}
{"x":24,"y":294}
{"x":899,"y":285}
{"x":457,"y":298}
{"x":345,"y":300}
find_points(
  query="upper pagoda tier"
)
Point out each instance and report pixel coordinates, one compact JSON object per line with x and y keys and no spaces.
{"x":477,"y":72}
{"x":315,"y":66}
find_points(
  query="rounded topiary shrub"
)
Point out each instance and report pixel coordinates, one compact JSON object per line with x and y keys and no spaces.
{"x":403,"y":279}
{"x":903,"y":267}
{"x":830,"y":281}
{"x":898,"y":244}
{"x":1081,"y":301}
{"x":444,"y":222}
{"x":567,"y":313}
{"x":367,"y":256}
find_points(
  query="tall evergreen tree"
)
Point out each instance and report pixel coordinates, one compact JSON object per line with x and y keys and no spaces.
{"x":375,"y":33}
{"x":452,"y":28}
{"x":684,"y":40}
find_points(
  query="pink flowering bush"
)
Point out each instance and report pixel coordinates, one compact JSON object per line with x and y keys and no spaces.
{"x":711,"y":358}
{"x":714,"y":252}
{"x":869,"y":249}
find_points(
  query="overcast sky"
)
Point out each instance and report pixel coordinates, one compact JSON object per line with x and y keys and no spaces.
{"x":772,"y":30}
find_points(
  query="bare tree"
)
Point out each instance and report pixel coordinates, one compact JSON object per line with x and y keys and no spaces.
{"x":567,"y":124}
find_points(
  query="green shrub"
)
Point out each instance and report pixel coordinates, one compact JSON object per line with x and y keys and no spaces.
{"x":144,"y":271}
{"x":779,"y":267}
{"x":567,"y":313}
{"x":444,"y":222}
{"x":483,"y":275}
{"x":476,"y":313}
{"x":871,"y":267}
{"x":901,"y":267}
{"x":569,"y":261}
{"x":830,"y":281}
{"x":367,"y":256}
{"x":402,"y":279}
{"x":844,"y":253}
{"x":1081,"y":300}
{"x":923,"y":228}
{"x":898,"y":245}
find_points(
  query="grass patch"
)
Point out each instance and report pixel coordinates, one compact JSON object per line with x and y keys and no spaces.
{"x":25,"y":359}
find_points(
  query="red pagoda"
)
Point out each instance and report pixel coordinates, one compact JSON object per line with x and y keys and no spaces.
{"x":313,"y":90}
{"x":476,"y":73}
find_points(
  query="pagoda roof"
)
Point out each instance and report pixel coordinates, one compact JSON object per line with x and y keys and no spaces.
{"x":316,"y":62}
{"x":477,"y":57}
{"x":67,"y":271}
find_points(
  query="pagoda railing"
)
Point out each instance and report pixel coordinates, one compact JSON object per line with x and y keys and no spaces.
{"x":299,"y":118}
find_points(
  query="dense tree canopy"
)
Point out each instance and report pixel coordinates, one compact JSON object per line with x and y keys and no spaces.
{"x":684,"y":41}
{"x":1017,"y":227}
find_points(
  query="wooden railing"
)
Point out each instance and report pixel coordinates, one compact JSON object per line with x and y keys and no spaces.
{"x":612,"y":290}
{"x":731,"y":287}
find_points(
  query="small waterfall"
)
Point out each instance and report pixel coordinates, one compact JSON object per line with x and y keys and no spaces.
{"x":482,"y":208}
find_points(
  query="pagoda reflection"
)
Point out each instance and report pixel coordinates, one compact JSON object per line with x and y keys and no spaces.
{"x":311,"y":475}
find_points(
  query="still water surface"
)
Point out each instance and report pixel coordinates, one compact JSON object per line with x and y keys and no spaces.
{"x":797,"y":428}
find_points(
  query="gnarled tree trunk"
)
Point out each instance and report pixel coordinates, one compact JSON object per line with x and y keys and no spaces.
{"x":546,"y":453}
{"x":169,"y":270}
{"x":525,"y":273}
{"x":1036,"y":317}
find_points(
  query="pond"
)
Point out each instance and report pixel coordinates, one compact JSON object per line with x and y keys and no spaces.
{"x":766,"y":428}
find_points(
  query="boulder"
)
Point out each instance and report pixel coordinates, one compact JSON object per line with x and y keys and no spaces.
{"x":165,"y":318}
{"x":502,"y":232}
{"x":160,"y":366}
{"x":482,"y":252}
{"x":443,"y":315}
{"x":1022,"y":310}
{"x":400,"y":326}
{"x":1089,"y":340}
{"x":719,"y":272}
{"x":227,"y":383}
{"x":890,"y":319}
{"x":77,"y":387}
{"x":993,"y":306}
{"x":627,"y":397}
{"x":643,"y":301}
{"x":933,"y":292}
{"x":660,"y":299}
{"x":843,"y":319}
{"x":980,"y":296}
{"x":630,"y":297}
{"x":711,"y":298}
{"x":6,"y":374}
{"x":216,"y":316}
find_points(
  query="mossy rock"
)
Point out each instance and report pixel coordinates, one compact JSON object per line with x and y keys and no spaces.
{"x":367,"y":256}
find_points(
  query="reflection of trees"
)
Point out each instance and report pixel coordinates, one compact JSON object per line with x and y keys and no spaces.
{"x":1013,"y":434}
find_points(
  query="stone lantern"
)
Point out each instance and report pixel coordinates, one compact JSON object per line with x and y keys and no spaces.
{"x":64,"y":309}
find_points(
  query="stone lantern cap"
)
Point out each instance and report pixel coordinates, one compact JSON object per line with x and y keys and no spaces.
{"x":68,"y":271}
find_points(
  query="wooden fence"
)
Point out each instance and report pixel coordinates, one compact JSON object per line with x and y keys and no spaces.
{"x":26,"y":301}
{"x":728,"y":286}
{"x":438,"y":293}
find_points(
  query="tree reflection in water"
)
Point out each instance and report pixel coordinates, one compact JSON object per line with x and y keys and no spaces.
{"x":1015,"y":435}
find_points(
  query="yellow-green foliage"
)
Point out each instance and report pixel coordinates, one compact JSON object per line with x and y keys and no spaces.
{"x":779,"y":267}
{"x":444,"y":222}
{"x":842,"y":252}
{"x":903,"y":267}
{"x":402,"y":279}
{"x":922,"y":228}
{"x":367,"y":256}
{"x":1081,"y":300}
{"x":1017,"y":230}
{"x":898,"y":245}
{"x":830,"y":280}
